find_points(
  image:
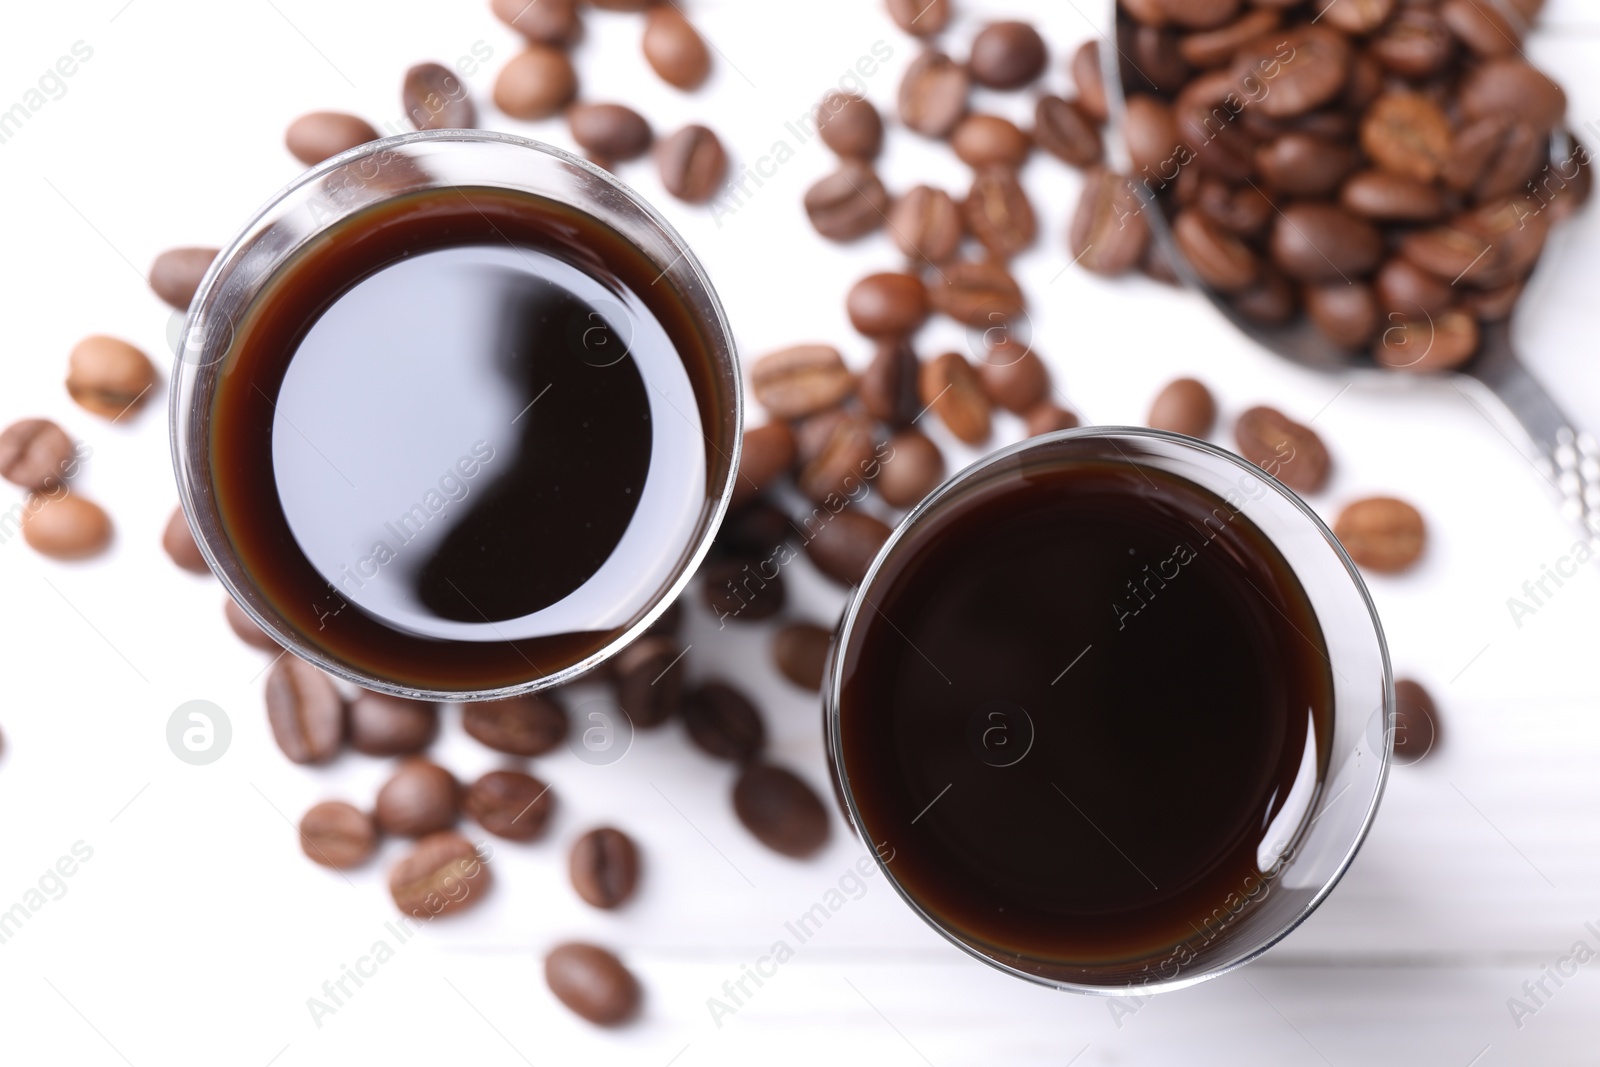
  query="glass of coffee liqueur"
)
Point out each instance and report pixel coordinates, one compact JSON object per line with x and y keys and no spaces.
{"x":1113,"y":708}
{"x":456,"y":415}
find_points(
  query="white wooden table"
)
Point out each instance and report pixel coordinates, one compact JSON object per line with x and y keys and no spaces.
{"x":195,"y":933}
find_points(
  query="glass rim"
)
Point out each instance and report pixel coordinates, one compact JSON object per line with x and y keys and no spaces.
{"x":834,"y":682}
{"x":714,"y":317}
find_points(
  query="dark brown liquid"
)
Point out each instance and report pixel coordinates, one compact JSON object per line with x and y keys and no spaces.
{"x":1079,"y":712}
{"x":460,"y":440}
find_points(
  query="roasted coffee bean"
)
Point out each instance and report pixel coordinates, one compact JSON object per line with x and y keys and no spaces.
{"x":1148,"y":12}
{"x":647,"y":680}
{"x":1416,"y":722}
{"x":1087,"y":77}
{"x":850,"y":125}
{"x":781,"y":810}
{"x":912,"y":468}
{"x":65,"y":526}
{"x":1346,"y":314}
{"x":769,"y":451}
{"x":176,"y":274}
{"x":1184,"y":406}
{"x":1384,"y":196}
{"x":1481,"y":27}
{"x":1151,"y":133}
{"x":800,"y":651}
{"x":536,"y":83}
{"x":989,"y":140}
{"x":1304,"y":68}
{"x":743,"y":588}
{"x":998,"y":213}
{"x":36,"y":454}
{"x":982,"y":295}
{"x":1519,"y":157}
{"x":755,"y":529}
{"x":245,"y":628}
{"x":1320,"y":243}
{"x":674,"y":49}
{"x":1288,"y":451}
{"x":1065,"y":130}
{"x":1151,"y":57}
{"x":1513,"y":88}
{"x":1013,"y":374}
{"x":604,"y":867}
{"x":1007,"y":55}
{"x":813,"y":433}
{"x":1048,"y":418}
{"x":321,"y":135}
{"x":305,"y":711}
{"x":1109,"y":231}
{"x":1425,"y":345}
{"x":383,"y":725}
{"x":1381,"y":534}
{"x":338,"y":835}
{"x":179,"y":544}
{"x":592,"y":983}
{"x":887,"y":304}
{"x":1405,"y":289}
{"x":109,"y":377}
{"x":509,"y":804}
{"x":1199,"y":14}
{"x":933,"y":94}
{"x":888,"y":388}
{"x":1302,"y":164}
{"x":926,"y":224}
{"x":1415,"y":44}
{"x":435,"y":99}
{"x":1243,"y":210}
{"x":844,"y":546}
{"x":794,"y":382}
{"x":1222,"y":150}
{"x":692,"y":163}
{"x":952,"y":390}
{"x":611,"y":131}
{"x":419,"y":798}
{"x":1214,"y":48}
{"x":1219,"y":259}
{"x":723,"y":723}
{"x":920,"y":18}
{"x":552,"y":22}
{"x":847,"y":204}
{"x":1355,"y":16}
{"x":527,"y":725}
{"x":843,"y":460}
{"x":442,"y":875}
{"x":1447,"y":252}
{"x":1407,"y":133}
{"x":1271,"y":300}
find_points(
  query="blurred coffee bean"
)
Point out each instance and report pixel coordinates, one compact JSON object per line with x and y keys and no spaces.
{"x":1381,"y":534}
{"x":383,"y":725}
{"x":527,"y":725}
{"x":435,"y":99}
{"x":1065,"y":130}
{"x":1429,"y":344}
{"x":36,"y":454}
{"x":1007,"y":55}
{"x":1512,"y":87}
{"x":1184,"y":406}
{"x":1317,"y":64}
{"x":1109,"y":231}
{"x":1416,"y":722}
{"x":1215,"y":47}
{"x":109,"y":377}
{"x":321,"y":135}
{"x":1481,"y":27}
{"x":926,"y":224}
{"x":743,"y":588}
{"x":998,"y":212}
{"x":647,"y":680}
{"x":592,"y":983}
{"x":1013,"y":374}
{"x":1086,"y":76}
{"x":245,"y":628}
{"x":920,"y":18}
{"x":850,"y":125}
{"x":441,"y":875}
{"x":1241,"y":210}
{"x":338,"y":835}
{"x":1408,"y":134}
{"x":674,"y":49}
{"x":305,"y":711}
{"x":1151,"y":134}
{"x":847,"y":204}
{"x":1415,"y":44}
{"x":1048,"y":418}
{"x":1302,"y":164}
{"x":1321,"y":243}
{"x":1219,"y":258}
{"x":180,"y":545}
{"x":176,"y":274}
{"x":768,"y":452}
{"x":1354,"y":16}
{"x":692,"y":163}
{"x":509,"y":804}
{"x":535,"y":84}
{"x":989,"y":140}
{"x":800,"y":651}
{"x":756,"y":529}
{"x":1270,"y":300}
{"x":888,"y":387}
{"x":843,"y":461}
{"x":843,"y":547}
{"x":65,"y":526}
{"x":1388,"y":197}
{"x":953,"y":391}
{"x":611,"y":131}
{"x":797,"y":381}
{"x":914,"y":467}
{"x":887,"y":304}
{"x":781,"y":810}
{"x":933,"y":94}
{"x":419,"y":798}
{"x":1344,"y":313}
{"x":723,"y":723}
{"x":1285,"y":449}
{"x":981,"y":295}
{"x":604,"y":867}
{"x":551,"y":22}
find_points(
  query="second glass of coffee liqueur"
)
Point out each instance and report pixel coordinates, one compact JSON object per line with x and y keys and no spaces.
{"x":456,"y":415}
{"x":1112,"y":708}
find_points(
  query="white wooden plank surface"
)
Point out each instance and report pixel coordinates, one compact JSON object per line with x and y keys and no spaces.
{"x":196,"y":934}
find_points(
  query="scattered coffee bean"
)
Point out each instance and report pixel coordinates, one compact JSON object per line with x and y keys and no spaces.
{"x":1065,"y":130}
{"x":888,"y":387}
{"x":1184,"y":406}
{"x":551,"y":22}
{"x":800,"y":650}
{"x":1007,"y":55}
{"x":933,"y":94}
{"x":305,"y":711}
{"x":781,"y":810}
{"x":1109,"y":231}
{"x":953,"y":391}
{"x":887,"y":305}
{"x":768,"y":451}
{"x":843,"y":459}
{"x":1048,"y":418}
{"x":674,"y":49}
{"x":1288,"y":451}
{"x":982,"y":295}
{"x":920,"y":18}
{"x":1381,"y":534}
{"x":743,"y":588}
{"x":604,"y":867}
{"x":723,"y":723}
{"x":844,"y":546}
{"x":536,"y":83}
{"x":65,"y":527}
{"x":338,"y":835}
{"x":527,"y":725}
{"x":794,"y":382}
{"x":592,"y":983}
{"x":847,"y":204}
{"x":850,"y":125}
{"x":419,"y":798}
{"x":383,"y":725}
{"x":176,"y":274}
{"x":180,"y":545}
{"x":36,"y":454}
{"x":1416,"y":722}
{"x":245,"y":628}
{"x":692,"y":163}
{"x":998,"y":213}
{"x":509,"y":804}
{"x":611,"y":131}
{"x":321,"y":135}
{"x":442,"y":875}
{"x":913,"y":468}
{"x":435,"y":99}
{"x":109,"y":377}
{"x":989,"y":140}
{"x":1013,"y":375}
{"x":926,"y":224}
{"x":647,"y":680}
